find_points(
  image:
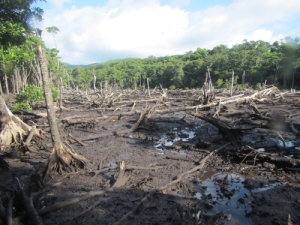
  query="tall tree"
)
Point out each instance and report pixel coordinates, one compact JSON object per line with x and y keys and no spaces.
{"x":53,"y":30}
{"x":62,"y":157}
{"x":15,"y":18}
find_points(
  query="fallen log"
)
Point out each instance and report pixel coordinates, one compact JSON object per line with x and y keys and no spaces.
{"x":221,"y":126}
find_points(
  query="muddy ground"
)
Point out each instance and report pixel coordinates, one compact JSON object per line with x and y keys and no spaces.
{"x":243,"y":183}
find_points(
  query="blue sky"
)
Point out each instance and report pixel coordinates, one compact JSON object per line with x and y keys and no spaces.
{"x":97,"y":31}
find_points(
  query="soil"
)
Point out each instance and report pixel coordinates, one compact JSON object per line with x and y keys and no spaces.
{"x":237,"y":185}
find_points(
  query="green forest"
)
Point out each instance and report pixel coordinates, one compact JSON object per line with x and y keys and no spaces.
{"x":253,"y":62}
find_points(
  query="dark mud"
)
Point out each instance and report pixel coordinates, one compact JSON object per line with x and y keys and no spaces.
{"x":225,"y":192}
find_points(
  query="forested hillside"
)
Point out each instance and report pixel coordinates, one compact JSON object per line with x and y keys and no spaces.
{"x":256,"y":61}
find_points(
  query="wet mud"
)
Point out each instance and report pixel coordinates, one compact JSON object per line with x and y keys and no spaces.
{"x":231,"y":189}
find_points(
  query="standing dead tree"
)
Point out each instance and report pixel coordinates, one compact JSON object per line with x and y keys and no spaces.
{"x":62,"y":158}
{"x":208,"y":89}
{"x":232,"y":81}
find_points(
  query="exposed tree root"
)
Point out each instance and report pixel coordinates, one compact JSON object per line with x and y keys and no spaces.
{"x":13,"y":130}
{"x":11,"y":134}
{"x":64,"y":158}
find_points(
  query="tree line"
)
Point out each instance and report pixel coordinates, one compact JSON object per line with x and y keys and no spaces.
{"x":252,"y":62}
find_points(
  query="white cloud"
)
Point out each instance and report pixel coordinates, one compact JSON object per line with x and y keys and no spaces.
{"x":58,"y":3}
{"x":131,"y":28}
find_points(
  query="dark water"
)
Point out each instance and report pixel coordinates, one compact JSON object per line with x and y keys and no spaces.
{"x":227,"y":194}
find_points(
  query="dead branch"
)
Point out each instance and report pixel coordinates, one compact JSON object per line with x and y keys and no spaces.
{"x":115,"y":133}
{"x":180,"y":177}
{"x":30,"y":136}
{"x":136,"y":207}
{"x":221,"y":126}
{"x":31,"y":211}
{"x":199,"y":167}
{"x":73,"y":201}
{"x":80,"y":142}
{"x":128,"y":167}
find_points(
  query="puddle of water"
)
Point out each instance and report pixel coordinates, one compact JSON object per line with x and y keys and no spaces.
{"x":110,"y":164}
{"x":175,"y":135}
{"x":90,"y":141}
{"x":227,"y":193}
{"x":108,"y":174}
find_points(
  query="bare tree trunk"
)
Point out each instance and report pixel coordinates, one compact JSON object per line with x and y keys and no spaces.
{"x":148,"y":87}
{"x":232,"y":80}
{"x":24,"y":78}
{"x":94,"y":84}
{"x":37,"y":72}
{"x":205,"y":90}
{"x":61,"y":95}
{"x":243,"y":78}
{"x":211,"y":87}
{"x":61,"y":158}
{"x":17,"y":80}
{"x":5,"y":79}
{"x":13,"y":82}
{"x":1,"y":91}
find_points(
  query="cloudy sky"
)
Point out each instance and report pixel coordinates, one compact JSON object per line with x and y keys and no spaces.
{"x":100,"y":30}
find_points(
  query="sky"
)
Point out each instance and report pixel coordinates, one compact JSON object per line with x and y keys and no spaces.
{"x":93,"y":31}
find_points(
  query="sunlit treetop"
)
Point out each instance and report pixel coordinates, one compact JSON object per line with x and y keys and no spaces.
{"x":16,"y":19}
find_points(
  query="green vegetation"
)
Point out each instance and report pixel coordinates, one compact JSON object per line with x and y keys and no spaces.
{"x":278,"y":63}
{"x":22,"y":106}
{"x":31,"y":95}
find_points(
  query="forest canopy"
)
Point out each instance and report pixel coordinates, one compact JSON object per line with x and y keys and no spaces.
{"x":256,"y":61}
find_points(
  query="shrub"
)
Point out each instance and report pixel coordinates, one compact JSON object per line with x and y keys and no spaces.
{"x":172,"y":87}
{"x":31,"y":94}
{"x":55,"y":93}
{"x":34,"y":94}
{"x":239,"y":87}
{"x":22,"y":106}
{"x":219,"y":83}
{"x":258,"y":85}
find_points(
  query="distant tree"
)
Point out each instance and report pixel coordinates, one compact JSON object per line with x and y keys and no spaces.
{"x":53,"y":30}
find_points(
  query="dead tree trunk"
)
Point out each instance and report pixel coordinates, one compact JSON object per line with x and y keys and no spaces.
{"x":232,"y":80}
{"x":62,"y":157}
{"x":205,"y":90}
{"x":5,"y":79}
